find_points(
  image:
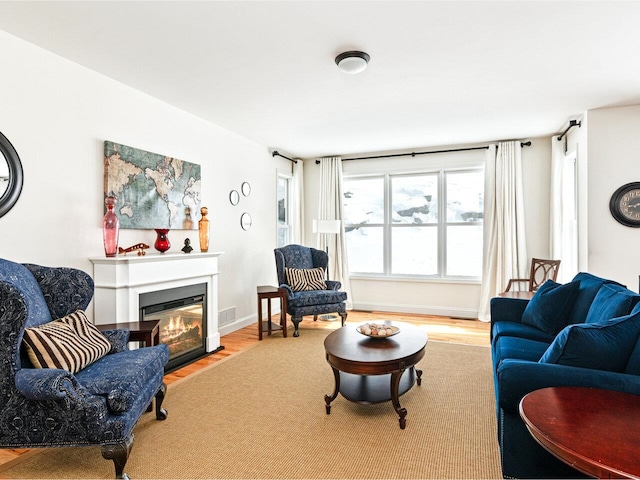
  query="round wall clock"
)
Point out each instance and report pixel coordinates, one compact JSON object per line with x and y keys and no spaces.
{"x":625,"y":204}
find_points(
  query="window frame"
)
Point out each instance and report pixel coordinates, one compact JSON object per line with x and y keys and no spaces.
{"x":441,"y":225}
{"x":288,"y":179}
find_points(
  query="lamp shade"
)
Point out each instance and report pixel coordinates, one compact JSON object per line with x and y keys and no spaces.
{"x":352,"y":62}
{"x":326,"y":226}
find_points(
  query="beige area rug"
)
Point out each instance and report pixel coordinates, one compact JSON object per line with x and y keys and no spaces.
{"x":261,"y":414}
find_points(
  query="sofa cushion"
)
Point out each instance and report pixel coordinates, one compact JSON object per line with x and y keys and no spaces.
{"x":316,"y":297}
{"x":633,"y":365}
{"x":611,"y":301}
{"x":589,"y":286}
{"x":122,"y":377}
{"x":21,"y":278}
{"x":520,"y":330}
{"x":517,"y":349}
{"x":305,"y":279}
{"x":70,"y":343}
{"x":550,"y":307}
{"x":600,"y":345}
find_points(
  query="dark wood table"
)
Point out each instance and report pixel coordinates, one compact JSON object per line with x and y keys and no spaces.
{"x":593,"y":430}
{"x":374,"y":370}
{"x":267,"y":292}
{"x":147,"y":331}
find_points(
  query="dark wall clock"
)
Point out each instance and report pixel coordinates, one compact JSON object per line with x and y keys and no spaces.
{"x":625,"y":204}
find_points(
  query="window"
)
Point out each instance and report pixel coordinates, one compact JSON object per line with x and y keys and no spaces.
{"x":569,"y":245}
{"x":427,"y":224}
{"x":284,"y":227}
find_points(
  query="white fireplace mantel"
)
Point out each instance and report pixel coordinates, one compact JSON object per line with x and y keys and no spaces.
{"x":119,"y":281}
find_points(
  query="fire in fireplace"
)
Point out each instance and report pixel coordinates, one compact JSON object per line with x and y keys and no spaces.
{"x":183,"y":321}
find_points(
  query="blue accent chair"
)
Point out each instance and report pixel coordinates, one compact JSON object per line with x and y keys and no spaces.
{"x":312,"y":302}
{"x":49,"y":407}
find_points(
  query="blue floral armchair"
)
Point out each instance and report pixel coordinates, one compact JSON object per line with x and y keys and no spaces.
{"x":308,"y":302}
{"x":50,"y":407}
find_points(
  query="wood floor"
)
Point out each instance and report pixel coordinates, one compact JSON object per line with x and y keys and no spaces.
{"x":442,"y":329}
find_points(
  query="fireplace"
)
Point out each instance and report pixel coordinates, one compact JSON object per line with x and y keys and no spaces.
{"x":183,"y":321}
{"x":122,"y":282}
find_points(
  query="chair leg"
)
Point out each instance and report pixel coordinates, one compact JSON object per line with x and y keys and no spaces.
{"x":161,"y":413}
{"x":296,"y":321}
{"x":344,"y":317}
{"x":119,"y":453}
{"x":315,"y":318}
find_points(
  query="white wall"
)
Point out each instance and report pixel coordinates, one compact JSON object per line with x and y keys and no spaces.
{"x":458,"y":299}
{"x":57,"y":115}
{"x":613,"y":160}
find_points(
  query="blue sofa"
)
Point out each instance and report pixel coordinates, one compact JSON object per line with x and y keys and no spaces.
{"x":582,"y":333}
{"x":62,"y":382}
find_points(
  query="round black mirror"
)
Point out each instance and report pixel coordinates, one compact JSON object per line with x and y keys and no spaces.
{"x":10,"y":175}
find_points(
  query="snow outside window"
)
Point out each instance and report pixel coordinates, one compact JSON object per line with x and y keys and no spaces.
{"x":427,"y":224}
{"x":284,"y":184}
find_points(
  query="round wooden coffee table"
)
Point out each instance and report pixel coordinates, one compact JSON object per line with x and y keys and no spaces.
{"x":374,"y":370}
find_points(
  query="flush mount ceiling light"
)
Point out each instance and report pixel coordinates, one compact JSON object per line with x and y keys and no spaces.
{"x":352,"y":62}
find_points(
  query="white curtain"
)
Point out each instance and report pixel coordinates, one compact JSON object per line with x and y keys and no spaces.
{"x":557,"y":158}
{"x":297,"y":204}
{"x":563,"y":214}
{"x":330,"y":208}
{"x":505,"y":251}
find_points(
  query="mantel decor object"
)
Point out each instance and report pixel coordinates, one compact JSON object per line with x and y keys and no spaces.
{"x":162,"y":241}
{"x":139,"y":248}
{"x":110,"y":228}
{"x":203,"y":230}
{"x":187,"y":246}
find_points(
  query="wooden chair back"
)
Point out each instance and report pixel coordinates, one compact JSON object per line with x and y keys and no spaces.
{"x":541,"y":271}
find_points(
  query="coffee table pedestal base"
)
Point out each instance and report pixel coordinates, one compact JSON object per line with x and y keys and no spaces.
{"x":369,"y":389}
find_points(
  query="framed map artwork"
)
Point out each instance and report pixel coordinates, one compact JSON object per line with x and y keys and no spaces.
{"x":151,"y":190}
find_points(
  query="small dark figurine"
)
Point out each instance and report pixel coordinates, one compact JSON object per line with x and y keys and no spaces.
{"x":187,"y":246}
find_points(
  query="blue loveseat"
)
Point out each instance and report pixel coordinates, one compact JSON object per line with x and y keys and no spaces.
{"x":582,"y":333}
{"x":85,"y":387}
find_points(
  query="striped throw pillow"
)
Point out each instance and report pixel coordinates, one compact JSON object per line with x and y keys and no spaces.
{"x":302,"y":280}
{"x":70,"y":343}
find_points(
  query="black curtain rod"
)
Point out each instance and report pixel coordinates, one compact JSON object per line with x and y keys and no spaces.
{"x":275,"y":152}
{"x":572,"y":123}
{"x":413,"y":154}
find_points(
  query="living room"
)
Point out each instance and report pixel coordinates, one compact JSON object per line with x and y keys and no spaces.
{"x":57,"y":113}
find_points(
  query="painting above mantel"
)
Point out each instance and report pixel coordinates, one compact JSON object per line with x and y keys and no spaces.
{"x":151,"y":190}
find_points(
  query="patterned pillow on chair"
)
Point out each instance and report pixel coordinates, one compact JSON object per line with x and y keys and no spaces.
{"x":302,"y":280}
{"x":70,"y":343}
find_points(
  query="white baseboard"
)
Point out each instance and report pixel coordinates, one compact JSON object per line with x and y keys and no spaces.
{"x":417,"y":309}
{"x":237,"y":325}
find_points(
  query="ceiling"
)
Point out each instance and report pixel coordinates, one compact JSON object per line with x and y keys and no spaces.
{"x":441,"y":73}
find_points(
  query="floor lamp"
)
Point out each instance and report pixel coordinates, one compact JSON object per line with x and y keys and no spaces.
{"x":327,"y":227}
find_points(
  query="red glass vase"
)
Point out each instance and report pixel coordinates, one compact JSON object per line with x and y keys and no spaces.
{"x":162,"y":242}
{"x":110,"y":228}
